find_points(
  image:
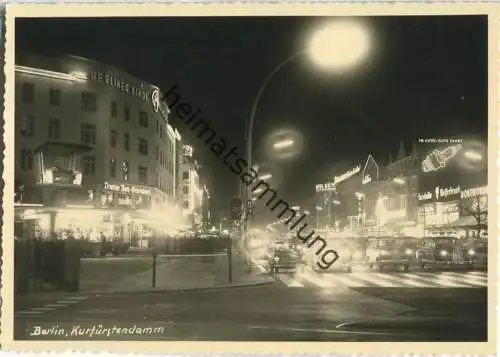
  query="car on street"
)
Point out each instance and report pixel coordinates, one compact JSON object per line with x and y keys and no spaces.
{"x":344,"y":249}
{"x":288,"y":260}
{"x":442,"y":250}
{"x":391,"y":252}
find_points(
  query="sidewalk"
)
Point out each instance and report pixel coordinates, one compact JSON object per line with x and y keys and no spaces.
{"x":194,"y":272}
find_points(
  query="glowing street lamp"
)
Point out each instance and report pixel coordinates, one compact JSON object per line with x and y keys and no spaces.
{"x":473,"y":155}
{"x":337,"y":46}
{"x":318,"y":208}
{"x":283,"y":144}
{"x":336,"y":202}
{"x":265,"y":177}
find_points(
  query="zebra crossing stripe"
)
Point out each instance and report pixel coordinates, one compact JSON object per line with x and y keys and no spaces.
{"x":374,"y":279}
{"x":317,"y":281}
{"x":346,"y":279}
{"x":292,"y":283}
{"x":465,"y":279}
{"x":445,"y":281}
{"x":414,"y":280}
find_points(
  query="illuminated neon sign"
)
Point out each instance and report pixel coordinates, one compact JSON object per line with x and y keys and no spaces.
{"x":437,"y":159}
{"x":330,"y":186}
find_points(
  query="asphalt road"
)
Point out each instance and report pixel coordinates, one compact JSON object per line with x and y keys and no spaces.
{"x":275,"y":312}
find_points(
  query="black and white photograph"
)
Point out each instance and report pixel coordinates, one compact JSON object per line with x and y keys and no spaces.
{"x":311,"y":177}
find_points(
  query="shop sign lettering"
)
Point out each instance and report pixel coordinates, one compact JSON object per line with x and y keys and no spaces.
{"x":444,"y":192}
{"x":137,"y":91}
{"x":127,"y":189}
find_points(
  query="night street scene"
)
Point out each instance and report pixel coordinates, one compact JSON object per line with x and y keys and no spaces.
{"x":251,"y":179}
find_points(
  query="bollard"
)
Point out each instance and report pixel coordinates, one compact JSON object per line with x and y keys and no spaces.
{"x":154,"y":270}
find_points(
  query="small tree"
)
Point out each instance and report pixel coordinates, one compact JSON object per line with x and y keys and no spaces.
{"x":476,"y":205}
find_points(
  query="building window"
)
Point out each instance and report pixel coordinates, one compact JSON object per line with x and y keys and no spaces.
{"x":26,"y":160}
{"x":126,"y":142}
{"x":27,"y":125}
{"x":157,"y":152}
{"x":185,"y":189}
{"x":185,"y":175}
{"x":112,"y":168}
{"x":143,"y":119}
{"x":54,"y":129}
{"x":125,"y":170}
{"x":54,"y":96}
{"x":126,"y":113}
{"x":161,"y":132}
{"x":88,"y":165}
{"x":28,"y":92}
{"x":87,"y":134}
{"x":142,"y":174}
{"x":89,"y":102}
{"x":143,"y":146}
{"x":114,"y":109}
{"x":113,"y":138}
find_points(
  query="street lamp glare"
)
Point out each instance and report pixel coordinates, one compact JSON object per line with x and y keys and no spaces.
{"x":265,"y":177}
{"x":283,"y":144}
{"x":472,"y":155}
{"x":339,"y":45}
{"x":399,"y":180}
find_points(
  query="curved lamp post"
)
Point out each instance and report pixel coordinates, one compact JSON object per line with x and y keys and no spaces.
{"x":337,"y":46}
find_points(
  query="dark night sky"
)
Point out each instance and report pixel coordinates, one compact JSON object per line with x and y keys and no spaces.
{"x":426,"y":76}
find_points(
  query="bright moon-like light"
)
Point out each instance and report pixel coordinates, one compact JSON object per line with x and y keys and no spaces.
{"x":339,"y":45}
{"x":283,"y":144}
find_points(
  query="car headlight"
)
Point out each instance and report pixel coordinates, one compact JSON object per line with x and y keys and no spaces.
{"x":471,"y":252}
{"x":409,"y":251}
{"x":444,"y":253}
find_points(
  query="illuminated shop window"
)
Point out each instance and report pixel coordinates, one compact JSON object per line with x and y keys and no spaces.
{"x":143,"y":119}
{"x":142,"y":173}
{"x":114,"y":109}
{"x":88,"y":165}
{"x":27,"y":125}
{"x":87,"y":134}
{"x":54,"y":129}
{"x":54,"y":96}
{"x":28,"y":92}
{"x":142,"y":146}
{"x":89,"y":102}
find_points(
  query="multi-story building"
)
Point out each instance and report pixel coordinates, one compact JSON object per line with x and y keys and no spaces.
{"x":91,"y":136}
{"x":191,"y":188}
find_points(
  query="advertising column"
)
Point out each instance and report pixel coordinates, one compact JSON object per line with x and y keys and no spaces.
{"x":450,"y":169}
